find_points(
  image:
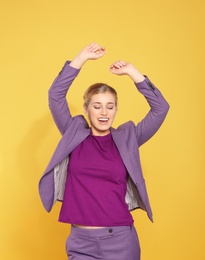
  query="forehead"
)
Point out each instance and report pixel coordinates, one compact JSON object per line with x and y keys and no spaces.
{"x":103,"y":98}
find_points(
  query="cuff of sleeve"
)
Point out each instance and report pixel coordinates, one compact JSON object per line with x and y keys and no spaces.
{"x":145,"y":83}
{"x":67,"y":68}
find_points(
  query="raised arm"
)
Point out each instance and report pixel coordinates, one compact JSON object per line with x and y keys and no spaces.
{"x":90,"y":52}
{"x":57,"y":92}
{"x":159,"y":107}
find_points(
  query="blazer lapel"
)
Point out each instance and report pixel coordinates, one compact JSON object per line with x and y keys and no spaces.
{"x":66,"y":145}
{"x":119,"y":139}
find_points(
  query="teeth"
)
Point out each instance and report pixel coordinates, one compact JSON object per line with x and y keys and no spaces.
{"x":103,"y":119}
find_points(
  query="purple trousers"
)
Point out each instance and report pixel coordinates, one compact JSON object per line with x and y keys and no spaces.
{"x":110,"y":243}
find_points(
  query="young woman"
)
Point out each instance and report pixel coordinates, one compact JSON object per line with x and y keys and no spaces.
{"x":95,"y":170}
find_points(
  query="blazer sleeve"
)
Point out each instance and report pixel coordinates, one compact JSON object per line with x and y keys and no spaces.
{"x":57,"y":97}
{"x":159,"y":107}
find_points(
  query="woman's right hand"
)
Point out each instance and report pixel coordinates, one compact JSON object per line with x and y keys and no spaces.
{"x":93,"y":51}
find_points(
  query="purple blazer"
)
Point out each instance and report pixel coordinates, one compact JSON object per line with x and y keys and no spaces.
{"x":128,"y":137}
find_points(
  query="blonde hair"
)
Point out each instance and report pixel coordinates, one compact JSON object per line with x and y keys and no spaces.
{"x":96,"y":89}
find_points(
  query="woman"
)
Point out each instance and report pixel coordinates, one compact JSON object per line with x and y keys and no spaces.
{"x":95,"y":170}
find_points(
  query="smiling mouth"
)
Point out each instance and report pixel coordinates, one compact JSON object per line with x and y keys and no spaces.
{"x":103,"y":119}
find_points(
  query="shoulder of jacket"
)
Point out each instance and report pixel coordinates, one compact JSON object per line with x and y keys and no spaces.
{"x":80,"y":119}
{"x":127,"y":125}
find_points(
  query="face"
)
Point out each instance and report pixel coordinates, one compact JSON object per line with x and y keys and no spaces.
{"x":101,"y":112}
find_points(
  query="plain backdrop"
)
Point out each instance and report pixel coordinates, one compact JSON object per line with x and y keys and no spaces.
{"x":165,"y":40}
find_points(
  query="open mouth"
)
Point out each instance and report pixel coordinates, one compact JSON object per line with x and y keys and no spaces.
{"x":103,"y":119}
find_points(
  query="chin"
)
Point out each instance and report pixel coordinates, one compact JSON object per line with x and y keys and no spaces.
{"x":101,"y":131}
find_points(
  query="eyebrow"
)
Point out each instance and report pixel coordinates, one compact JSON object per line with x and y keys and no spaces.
{"x":99,"y":103}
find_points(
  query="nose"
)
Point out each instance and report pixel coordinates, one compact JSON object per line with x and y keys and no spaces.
{"x":103,"y":111}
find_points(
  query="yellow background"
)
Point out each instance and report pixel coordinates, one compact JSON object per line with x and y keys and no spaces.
{"x":165,"y":40}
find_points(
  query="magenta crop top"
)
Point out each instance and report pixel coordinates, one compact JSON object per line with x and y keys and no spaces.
{"x":96,"y":185}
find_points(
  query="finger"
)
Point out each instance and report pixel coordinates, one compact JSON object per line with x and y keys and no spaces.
{"x":113,"y":66}
{"x":93,"y":47}
{"x":118,"y":65}
{"x":96,"y":48}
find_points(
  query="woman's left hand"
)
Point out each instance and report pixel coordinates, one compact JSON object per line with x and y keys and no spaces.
{"x":124,"y":68}
{"x":120,"y":67}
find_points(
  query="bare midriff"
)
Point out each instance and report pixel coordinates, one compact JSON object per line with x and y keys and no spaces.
{"x":87,"y":227}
